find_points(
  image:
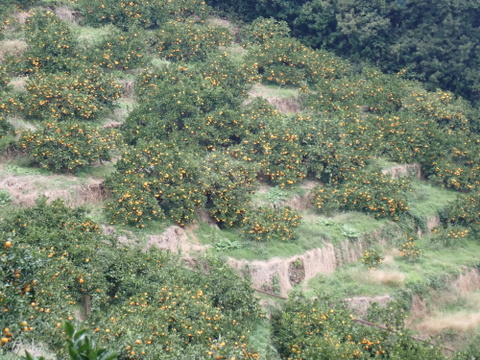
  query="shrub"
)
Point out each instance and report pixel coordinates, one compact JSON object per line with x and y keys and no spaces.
{"x":51,"y":44}
{"x":266,"y":224}
{"x":374,"y":193}
{"x":139,"y":13}
{"x":68,"y":146}
{"x":80,"y":95}
{"x":153,"y":179}
{"x":228,"y":184}
{"x":371,"y":258}
{"x":120,"y":50}
{"x":410,"y":249}
{"x":190,"y":41}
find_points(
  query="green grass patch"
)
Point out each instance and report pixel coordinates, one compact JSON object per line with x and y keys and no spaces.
{"x":260,"y":340}
{"x":272,"y":91}
{"x":338,"y":227}
{"x":313,"y":231}
{"x":427,"y":199}
{"x":230,"y":243}
{"x":430,"y":271}
{"x":89,"y":36}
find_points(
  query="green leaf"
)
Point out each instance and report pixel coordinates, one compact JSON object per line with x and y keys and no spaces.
{"x":73,"y":353}
{"x":69,"y":328}
{"x":108,"y":355}
{"x":79,"y":335}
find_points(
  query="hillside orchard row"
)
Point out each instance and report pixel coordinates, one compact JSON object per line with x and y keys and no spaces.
{"x":195,"y":141}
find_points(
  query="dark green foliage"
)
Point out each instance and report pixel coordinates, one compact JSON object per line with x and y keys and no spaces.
{"x":6,"y":131}
{"x":438,"y":41}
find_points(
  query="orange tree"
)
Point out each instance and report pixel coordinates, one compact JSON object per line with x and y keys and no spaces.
{"x":321,"y":329}
{"x":47,"y":256}
{"x":276,"y":148}
{"x":154,"y":179}
{"x":190,"y":41}
{"x":142,"y":303}
{"x":464,"y":212}
{"x":68,"y":146}
{"x":228,"y":184}
{"x":52,"y":45}
{"x":78,"y":95}
{"x":266,"y":223}
{"x":188,"y":104}
{"x":334,"y":147}
{"x":120,"y":50}
{"x":284,"y":60}
{"x":371,"y":192}
{"x":171,"y":313}
{"x":389,"y":116}
{"x":139,"y":13}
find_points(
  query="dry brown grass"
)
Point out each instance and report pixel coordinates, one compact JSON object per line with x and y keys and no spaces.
{"x":18,"y":83}
{"x":15,"y":48}
{"x":386,"y":277}
{"x":460,"y":321}
{"x":67,"y":14}
{"x":22,"y":16}
{"x":284,"y":104}
{"x":25,"y":189}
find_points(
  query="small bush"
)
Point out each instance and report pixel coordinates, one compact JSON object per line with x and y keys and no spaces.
{"x":51,"y":44}
{"x":373,"y":193}
{"x":80,"y":95}
{"x":410,"y":250}
{"x":189,"y":41}
{"x":68,"y":146}
{"x":120,"y":50}
{"x":266,"y":224}
{"x":371,"y":259}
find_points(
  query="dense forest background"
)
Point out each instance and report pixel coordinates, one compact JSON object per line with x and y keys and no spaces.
{"x":437,"y":42}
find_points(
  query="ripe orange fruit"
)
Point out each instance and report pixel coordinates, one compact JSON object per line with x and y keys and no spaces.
{"x":8,"y":244}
